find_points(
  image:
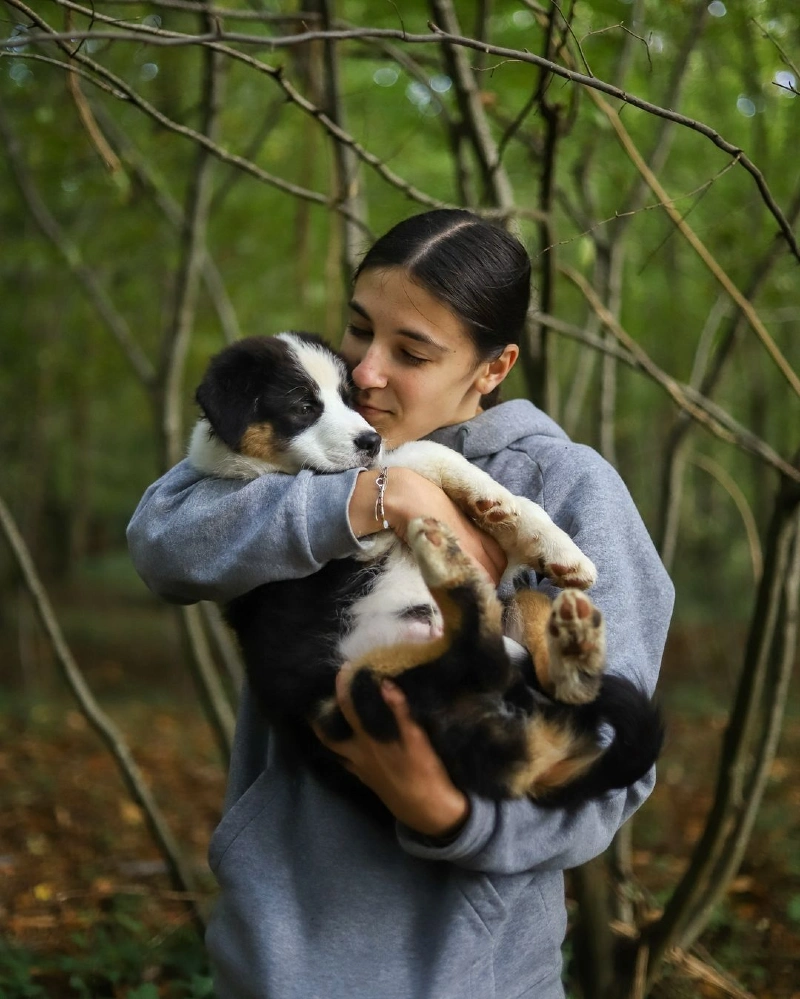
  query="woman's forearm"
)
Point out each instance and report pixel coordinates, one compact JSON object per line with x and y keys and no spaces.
{"x":408,"y":495}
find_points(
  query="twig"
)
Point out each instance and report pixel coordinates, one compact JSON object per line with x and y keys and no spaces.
{"x":71,"y":254}
{"x":666,"y":533}
{"x":148,"y":179}
{"x":705,"y":412}
{"x":698,"y":246}
{"x":135,"y":98}
{"x":731,"y":487}
{"x":88,"y":120}
{"x":746,"y":751}
{"x":175,"y":344}
{"x":157,"y":37}
{"x":198,"y":7}
{"x":781,"y":50}
{"x":347,"y":185}
{"x":180,"y":871}
{"x":69,"y":68}
{"x":498,"y":187}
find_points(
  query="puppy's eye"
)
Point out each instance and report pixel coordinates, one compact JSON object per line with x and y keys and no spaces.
{"x":304,"y":408}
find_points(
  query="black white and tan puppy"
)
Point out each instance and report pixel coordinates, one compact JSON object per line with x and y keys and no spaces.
{"x":421,"y":613}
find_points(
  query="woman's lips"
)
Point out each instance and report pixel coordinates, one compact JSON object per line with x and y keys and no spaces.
{"x":365,"y":409}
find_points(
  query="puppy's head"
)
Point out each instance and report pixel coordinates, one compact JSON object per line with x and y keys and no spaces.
{"x":285,"y":401}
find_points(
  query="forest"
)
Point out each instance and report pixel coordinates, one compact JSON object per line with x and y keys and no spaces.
{"x":175,"y":175}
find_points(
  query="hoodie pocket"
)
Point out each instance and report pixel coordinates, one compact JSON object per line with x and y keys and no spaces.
{"x":243,"y":811}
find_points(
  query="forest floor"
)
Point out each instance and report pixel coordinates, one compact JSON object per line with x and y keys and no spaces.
{"x":86,"y":908}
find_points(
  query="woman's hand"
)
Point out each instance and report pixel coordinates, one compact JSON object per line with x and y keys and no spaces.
{"x":406,"y":774}
{"x":409,"y":495}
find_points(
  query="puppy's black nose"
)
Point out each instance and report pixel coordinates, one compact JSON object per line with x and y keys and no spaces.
{"x":368,"y":442}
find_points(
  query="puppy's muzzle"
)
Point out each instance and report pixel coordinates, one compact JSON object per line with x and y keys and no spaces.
{"x":368,"y":443}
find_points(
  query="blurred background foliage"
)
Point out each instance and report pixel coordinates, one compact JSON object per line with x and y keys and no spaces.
{"x":79,"y":446}
{"x":80,"y":434}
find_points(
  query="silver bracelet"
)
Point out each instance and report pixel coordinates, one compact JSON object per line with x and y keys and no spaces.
{"x":381,"y":482}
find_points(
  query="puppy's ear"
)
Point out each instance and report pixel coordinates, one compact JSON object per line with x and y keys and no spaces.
{"x":226,"y":411}
{"x":229,"y":392}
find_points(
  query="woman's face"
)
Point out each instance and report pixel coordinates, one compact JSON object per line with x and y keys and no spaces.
{"x":414,"y":365}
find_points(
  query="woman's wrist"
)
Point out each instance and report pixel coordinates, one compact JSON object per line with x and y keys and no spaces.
{"x":444,"y":821}
{"x":371,"y":504}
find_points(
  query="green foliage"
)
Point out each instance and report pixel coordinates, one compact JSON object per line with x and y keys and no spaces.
{"x":118,"y":958}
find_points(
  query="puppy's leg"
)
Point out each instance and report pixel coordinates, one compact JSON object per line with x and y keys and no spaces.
{"x":522,"y":528}
{"x":567,"y":642}
{"x":556,"y":755}
{"x":471,"y":614}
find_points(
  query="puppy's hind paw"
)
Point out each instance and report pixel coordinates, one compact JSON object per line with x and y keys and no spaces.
{"x":442,"y":562}
{"x":577,"y":644}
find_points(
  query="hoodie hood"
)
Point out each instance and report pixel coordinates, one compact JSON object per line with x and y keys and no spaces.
{"x":497,"y":428}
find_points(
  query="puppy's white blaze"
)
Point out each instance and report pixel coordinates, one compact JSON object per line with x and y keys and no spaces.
{"x":329,"y":444}
{"x":376,"y":620}
{"x":208,"y":454}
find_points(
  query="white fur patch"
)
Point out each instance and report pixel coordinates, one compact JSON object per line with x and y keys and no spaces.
{"x":210,"y":455}
{"x":376,"y":619}
{"x":329,"y":444}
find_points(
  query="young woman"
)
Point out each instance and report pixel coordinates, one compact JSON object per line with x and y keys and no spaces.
{"x":458,"y":897}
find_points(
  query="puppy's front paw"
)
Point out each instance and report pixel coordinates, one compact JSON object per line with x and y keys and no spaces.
{"x":333,"y":724}
{"x":577,"y":644}
{"x":552,"y":551}
{"x":373,"y":712}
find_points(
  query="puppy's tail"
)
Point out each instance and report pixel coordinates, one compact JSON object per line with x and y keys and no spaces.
{"x":637,"y":736}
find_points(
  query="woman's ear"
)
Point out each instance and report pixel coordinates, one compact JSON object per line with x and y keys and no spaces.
{"x":491,"y":373}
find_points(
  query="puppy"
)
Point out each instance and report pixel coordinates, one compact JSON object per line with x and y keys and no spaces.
{"x":422,"y":613}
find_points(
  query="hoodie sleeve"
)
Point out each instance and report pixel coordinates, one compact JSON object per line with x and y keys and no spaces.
{"x":584,"y":496}
{"x":198,"y":538}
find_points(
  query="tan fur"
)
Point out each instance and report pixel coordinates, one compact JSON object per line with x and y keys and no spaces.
{"x":396,"y":659}
{"x":258,"y":442}
{"x":556,"y":756}
{"x":534,"y":609}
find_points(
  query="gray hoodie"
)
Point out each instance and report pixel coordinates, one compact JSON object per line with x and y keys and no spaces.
{"x":318,"y":900}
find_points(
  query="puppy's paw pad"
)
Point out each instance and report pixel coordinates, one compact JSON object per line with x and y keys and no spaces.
{"x":441,"y":560}
{"x":578,"y":572}
{"x":577,"y":647}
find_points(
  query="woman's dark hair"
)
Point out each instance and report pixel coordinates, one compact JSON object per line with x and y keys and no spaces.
{"x":477,"y":269}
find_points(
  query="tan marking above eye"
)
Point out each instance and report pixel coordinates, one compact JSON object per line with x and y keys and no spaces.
{"x":258,"y":441}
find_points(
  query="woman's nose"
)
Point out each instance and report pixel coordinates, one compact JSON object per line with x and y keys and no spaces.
{"x":369,"y":372}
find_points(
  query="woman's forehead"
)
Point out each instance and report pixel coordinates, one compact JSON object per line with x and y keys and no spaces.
{"x":390,"y":297}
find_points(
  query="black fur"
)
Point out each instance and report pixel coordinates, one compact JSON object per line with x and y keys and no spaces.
{"x":473,"y":702}
{"x":258,"y":380}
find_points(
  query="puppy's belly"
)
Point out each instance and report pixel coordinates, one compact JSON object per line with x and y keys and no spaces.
{"x":385,"y":630}
{"x":398,"y":609}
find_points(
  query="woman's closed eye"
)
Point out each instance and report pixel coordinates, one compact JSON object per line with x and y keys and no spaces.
{"x":406,"y":356}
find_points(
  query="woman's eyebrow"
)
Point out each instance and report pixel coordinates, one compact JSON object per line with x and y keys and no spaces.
{"x":422,"y":338}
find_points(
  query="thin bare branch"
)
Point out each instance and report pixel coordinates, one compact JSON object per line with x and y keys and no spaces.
{"x":157,"y":37}
{"x":698,"y":246}
{"x":175,"y":344}
{"x":498,"y":188}
{"x":705,"y":412}
{"x":135,"y":98}
{"x":230,"y":14}
{"x":68,"y":67}
{"x":88,"y":120}
{"x":180,"y":871}
{"x":731,"y":487}
{"x":71,"y":254}
{"x":149,"y":180}
{"x":347,"y":185}
{"x":750,"y":738}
